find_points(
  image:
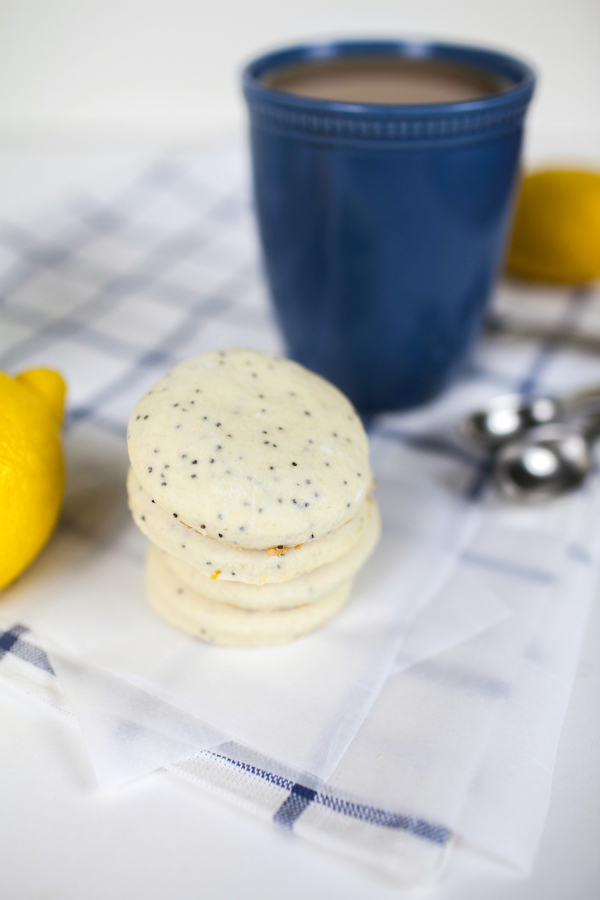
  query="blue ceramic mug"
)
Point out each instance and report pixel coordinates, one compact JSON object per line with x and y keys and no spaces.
{"x":383,"y":225}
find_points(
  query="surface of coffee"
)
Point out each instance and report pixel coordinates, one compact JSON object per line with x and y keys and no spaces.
{"x":385,"y":80}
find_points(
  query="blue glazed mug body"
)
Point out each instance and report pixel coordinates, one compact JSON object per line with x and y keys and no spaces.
{"x":383,"y":226}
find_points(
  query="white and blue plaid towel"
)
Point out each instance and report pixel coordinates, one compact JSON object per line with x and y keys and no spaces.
{"x":454,"y":736}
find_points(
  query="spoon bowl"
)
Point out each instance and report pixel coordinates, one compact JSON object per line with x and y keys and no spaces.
{"x":547,"y":462}
{"x":508,"y":417}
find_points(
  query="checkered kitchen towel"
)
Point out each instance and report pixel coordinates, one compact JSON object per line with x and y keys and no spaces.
{"x":374,"y":834}
{"x":118,"y":287}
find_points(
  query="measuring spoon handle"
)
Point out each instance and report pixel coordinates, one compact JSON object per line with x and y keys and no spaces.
{"x":579,"y":402}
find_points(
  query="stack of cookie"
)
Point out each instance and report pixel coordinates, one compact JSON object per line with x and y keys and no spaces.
{"x":251,"y":477}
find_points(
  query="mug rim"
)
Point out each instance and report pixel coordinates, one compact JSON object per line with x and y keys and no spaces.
{"x":497,"y":62}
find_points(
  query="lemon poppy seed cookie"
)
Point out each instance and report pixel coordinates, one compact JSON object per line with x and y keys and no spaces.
{"x":251,"y":477}
{"x":220,"y":623}
{"x":308,"y":588}
{"x":225,"y":563}
{"x":250,"y":449}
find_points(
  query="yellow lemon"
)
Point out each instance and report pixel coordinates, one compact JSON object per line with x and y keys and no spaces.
{"x":32,"y":473}
{"x":556,"y":234}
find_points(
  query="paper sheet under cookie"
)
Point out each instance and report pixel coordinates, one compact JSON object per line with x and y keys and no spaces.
{"x":300,"y":703}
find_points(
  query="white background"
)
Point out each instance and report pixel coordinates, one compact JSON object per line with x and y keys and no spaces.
{"x":98,"y":82}
{"x":90,"y":87}
{"x":168,"y":69}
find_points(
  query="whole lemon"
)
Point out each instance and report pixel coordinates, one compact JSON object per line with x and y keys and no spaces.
{"x":32,"y":472}
{"x":556,"y":234}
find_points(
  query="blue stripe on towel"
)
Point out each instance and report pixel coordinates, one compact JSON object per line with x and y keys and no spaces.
{"x":11,"y":641}
{"x":301,"y":797}
{"x":293,"y":806}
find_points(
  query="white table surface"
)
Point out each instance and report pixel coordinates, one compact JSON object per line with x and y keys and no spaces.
{"x":161,"y":836}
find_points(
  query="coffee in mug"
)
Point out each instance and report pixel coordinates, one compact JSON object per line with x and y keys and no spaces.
{"x":386,"y":80}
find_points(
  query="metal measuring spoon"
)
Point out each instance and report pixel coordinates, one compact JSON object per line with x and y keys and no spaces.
{"x":547,"y":461}
{"x":510,"y":416}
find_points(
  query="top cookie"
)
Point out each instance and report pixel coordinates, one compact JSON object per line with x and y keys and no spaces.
{"x":250,"y":449}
